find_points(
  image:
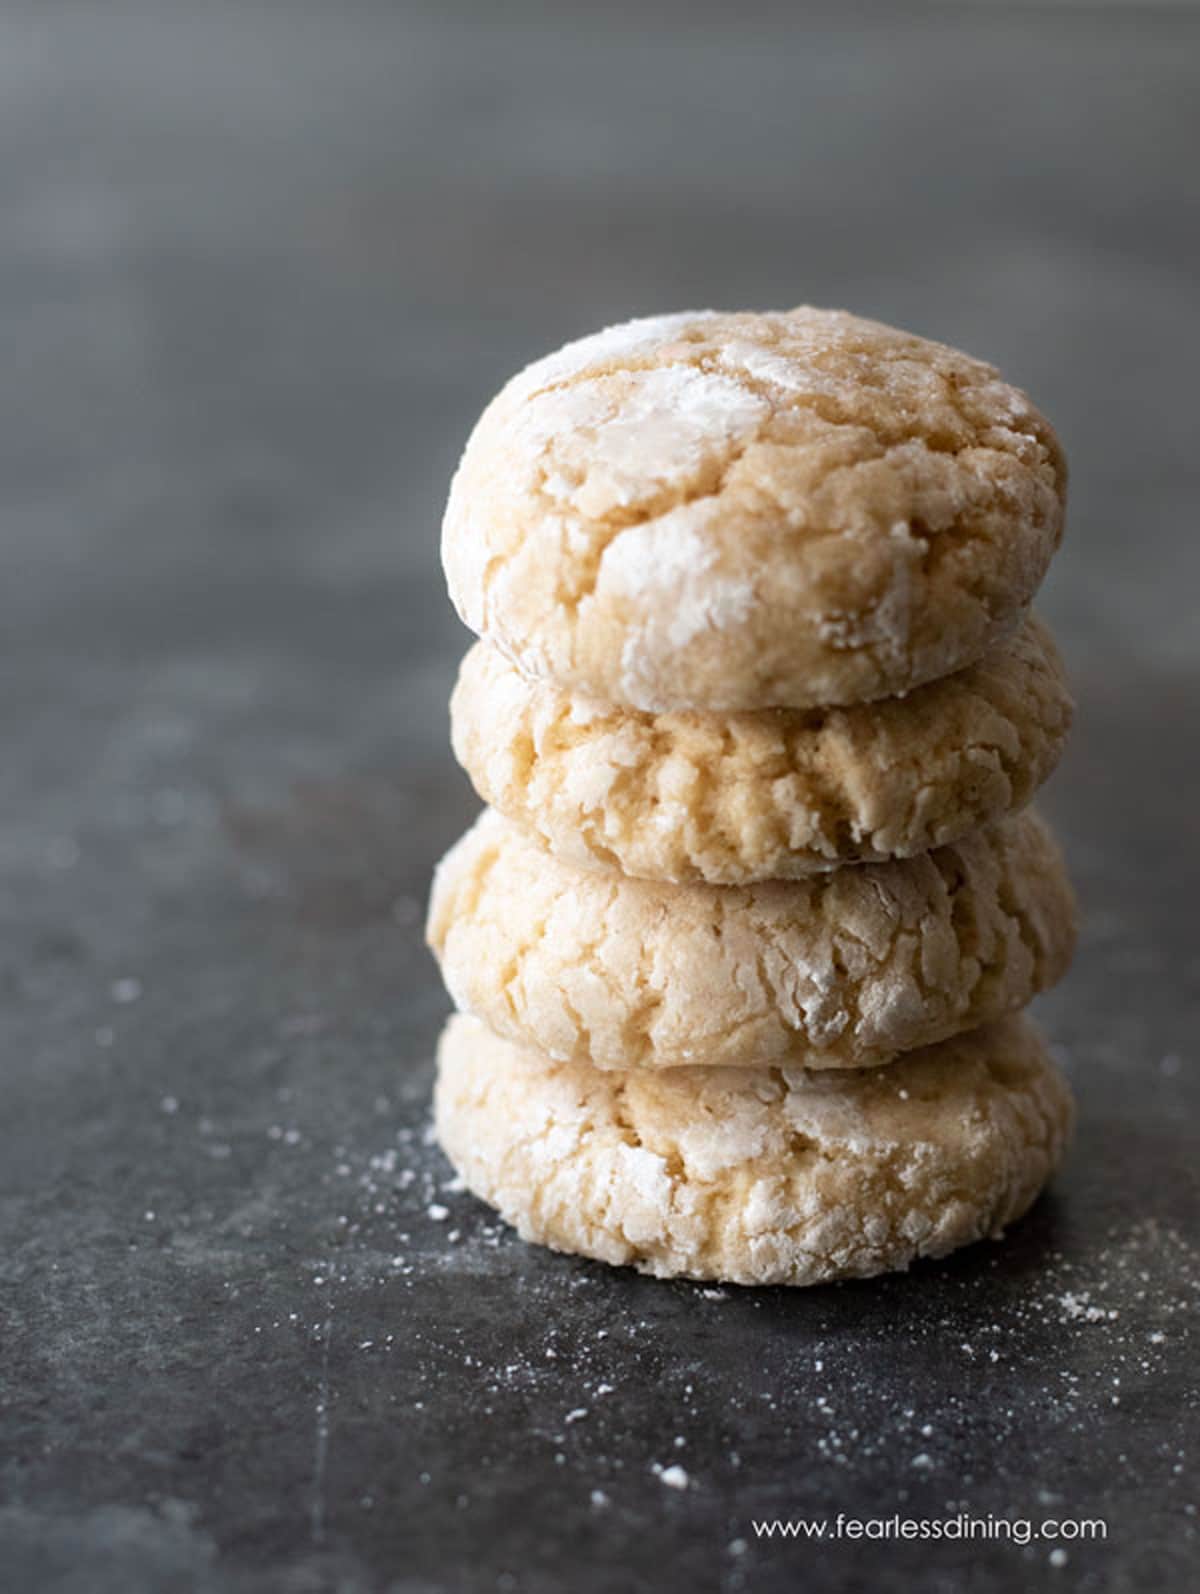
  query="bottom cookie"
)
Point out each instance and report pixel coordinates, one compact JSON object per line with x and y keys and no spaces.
{"x":756,"y":1176}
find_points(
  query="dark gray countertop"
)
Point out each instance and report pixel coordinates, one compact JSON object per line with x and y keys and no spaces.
{"x":260,"y":265}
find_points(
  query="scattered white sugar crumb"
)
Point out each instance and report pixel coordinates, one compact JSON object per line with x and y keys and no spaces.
{"x":673,"y":1476}
{"x":680,"y":1441}
{"x":927,"y":1430}
{"x":1158,"y":1337}
{"x":291,"y":1137}
{"x":126,"y":990}
{"x":455,"y":1186}
{"x":1058,"y":1557}
{"x":149,"y":1216}
{"x":604,"y":1389}
{"x":1078,"y":1306}
{"x":169,"y":1104}
{"x":715,"y":1295}
{"x":924,"y":1460}
{"x":437,"y":1211}
{"x":737,"y":1546}
{"x":578,"y":1413}
{"x":599,"y":1499}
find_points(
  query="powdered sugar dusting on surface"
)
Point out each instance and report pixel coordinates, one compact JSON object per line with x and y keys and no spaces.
{"x":465,"y":554}
{"x":829,"y":1112}
{"x":672,"y":559}
{"x":619,"y":342}
{"x":713,"y":1141}
{"x":790,"y":376}
{"x":615,"y":443}
{"x":657,"y":557}
{"x":674,"y":1476}
{"x":806,"y":416}
{"x":1056,"y":1343}
{"x":645,"y":1176}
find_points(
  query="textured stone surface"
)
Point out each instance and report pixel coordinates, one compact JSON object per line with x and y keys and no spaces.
{"x":258,"y":272}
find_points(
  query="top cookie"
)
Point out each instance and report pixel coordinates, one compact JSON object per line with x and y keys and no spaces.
{"x":740,"y":511}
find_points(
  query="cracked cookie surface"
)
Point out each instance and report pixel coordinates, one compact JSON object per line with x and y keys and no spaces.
{"x":842,"y":970}
{"x":756,"y":1176}
{"x":776,"y":794}
{"x":740,"y":511}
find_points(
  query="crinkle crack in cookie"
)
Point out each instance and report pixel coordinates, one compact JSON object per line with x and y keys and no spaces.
{"x":841,"y":970}
{"x":756,"y":1176}
{"x":776,"y":794}
{"x":741,"y":511}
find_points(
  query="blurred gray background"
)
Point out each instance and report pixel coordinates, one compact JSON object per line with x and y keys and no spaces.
{"x":260,"y":267}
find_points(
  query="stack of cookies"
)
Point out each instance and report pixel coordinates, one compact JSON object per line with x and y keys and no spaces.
{"x":740,"y":945}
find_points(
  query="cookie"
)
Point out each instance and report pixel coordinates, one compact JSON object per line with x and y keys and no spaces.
{"x":841,"y":970}
{"x":756,"y":1175}
{"x":776,"y":794}
{"x":740,"y":511}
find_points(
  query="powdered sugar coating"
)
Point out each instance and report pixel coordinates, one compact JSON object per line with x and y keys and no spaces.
{"x":736,"y":511}
{"x":756,"y":1176}
{"x":732,"y":798}
{"x":837,"y":971}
